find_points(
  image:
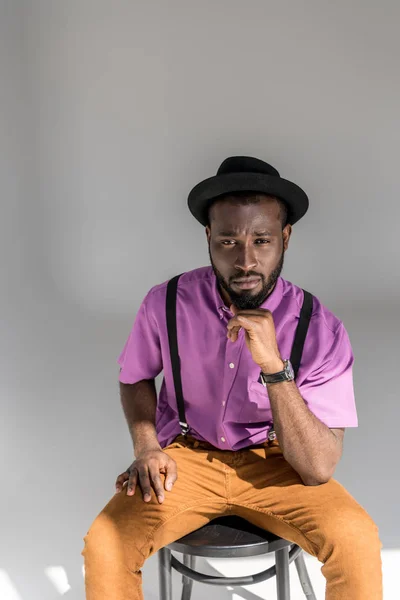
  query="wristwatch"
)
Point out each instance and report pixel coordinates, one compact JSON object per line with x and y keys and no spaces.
{"x":286,"y":375}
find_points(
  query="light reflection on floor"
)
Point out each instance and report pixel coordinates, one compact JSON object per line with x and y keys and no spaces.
{"x":7,"y":589}
{"x":57,"y":575}
{"x":58,"y":578}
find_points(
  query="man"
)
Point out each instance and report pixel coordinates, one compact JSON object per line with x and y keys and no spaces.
{"x":261,"y":444}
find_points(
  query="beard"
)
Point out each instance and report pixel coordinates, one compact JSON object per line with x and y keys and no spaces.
{"x":246,"y":299}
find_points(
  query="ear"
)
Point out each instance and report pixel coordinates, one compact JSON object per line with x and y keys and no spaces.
{"x":208,"y":233}
{"x":286,"y":236}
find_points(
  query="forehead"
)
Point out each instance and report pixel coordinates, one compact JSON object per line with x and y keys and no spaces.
{"x":231,"y":215}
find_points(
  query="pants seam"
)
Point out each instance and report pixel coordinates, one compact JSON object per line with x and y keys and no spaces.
{"x":228,"y":486}
{"x":278,"y":518}
{"x":178,"y":511}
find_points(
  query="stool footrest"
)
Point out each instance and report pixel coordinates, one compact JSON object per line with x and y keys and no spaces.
{"x":244,"y":580}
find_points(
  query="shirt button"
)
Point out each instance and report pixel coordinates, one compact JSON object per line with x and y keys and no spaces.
{"x":232,"y":366}
{"x":222,"y":439}
{"x":223,"y":403}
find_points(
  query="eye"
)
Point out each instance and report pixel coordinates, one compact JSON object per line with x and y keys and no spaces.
{"x":228,"y":242}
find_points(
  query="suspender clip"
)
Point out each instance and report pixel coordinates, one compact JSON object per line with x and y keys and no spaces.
{"x":184,"y":427}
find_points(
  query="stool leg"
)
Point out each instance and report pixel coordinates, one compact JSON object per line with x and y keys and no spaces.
{"x":164,"y":574}
{"x":304,"y":577}
{"x":188,"y":561}
{"x":282,"y":574}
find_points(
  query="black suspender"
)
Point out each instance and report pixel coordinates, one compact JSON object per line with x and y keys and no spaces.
{"x":301,"y":331}
{"x":173,"y":348}
{"x":298,"y":343}
{"x":295,"y":357}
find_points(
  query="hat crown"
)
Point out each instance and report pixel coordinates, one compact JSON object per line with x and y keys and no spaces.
{"x":246,"y":164}
{"x":246,"y":174}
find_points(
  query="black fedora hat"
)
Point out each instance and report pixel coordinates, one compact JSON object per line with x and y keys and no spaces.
{"x":245,"y":173}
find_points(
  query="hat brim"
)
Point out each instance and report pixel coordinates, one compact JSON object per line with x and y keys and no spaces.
{"x":204,"y":193}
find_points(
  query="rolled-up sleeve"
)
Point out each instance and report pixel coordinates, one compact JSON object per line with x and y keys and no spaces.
{"x":141,"y":355}
{"x":329,"y":390}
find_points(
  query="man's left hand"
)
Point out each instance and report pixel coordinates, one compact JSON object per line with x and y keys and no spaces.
{"x":260,"y":336}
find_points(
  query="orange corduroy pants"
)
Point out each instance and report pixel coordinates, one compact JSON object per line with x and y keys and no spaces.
{"x":255,"y":483}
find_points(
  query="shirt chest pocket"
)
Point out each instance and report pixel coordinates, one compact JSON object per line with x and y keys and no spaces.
{"x":256,"y":407}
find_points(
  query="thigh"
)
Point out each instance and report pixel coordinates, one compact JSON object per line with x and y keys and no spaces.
{"x":196,"y":497}
{"x":271,"y":494}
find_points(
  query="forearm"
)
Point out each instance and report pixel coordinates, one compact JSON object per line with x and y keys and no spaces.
{"x":308,"y":445}
{"x":139,"y":403}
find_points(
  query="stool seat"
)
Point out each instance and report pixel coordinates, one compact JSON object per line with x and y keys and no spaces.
{"x":231,"y":536}
{"x":228,"y":537}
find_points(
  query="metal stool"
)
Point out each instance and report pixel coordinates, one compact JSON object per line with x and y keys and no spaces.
{"x":228,"y":537}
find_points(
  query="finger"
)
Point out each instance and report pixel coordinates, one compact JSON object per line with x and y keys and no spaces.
{"x":121,"y":480}
{"x":172,"y":475}
{"x":252,"y":312}
{"x":156,"y":483}
{"x":122,"y":477}
{"x":233,"y":333}
{"x":144,"y":482}
{"x":233,"y":324}
{"x":133,"y":476}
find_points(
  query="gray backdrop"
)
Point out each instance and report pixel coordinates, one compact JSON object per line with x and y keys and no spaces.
{"x":110,"y":113}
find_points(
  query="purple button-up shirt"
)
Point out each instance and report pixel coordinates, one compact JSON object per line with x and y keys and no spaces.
{"x":225,"y":404}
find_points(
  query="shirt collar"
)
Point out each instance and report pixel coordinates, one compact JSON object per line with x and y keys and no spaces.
{"x":270,"y":303}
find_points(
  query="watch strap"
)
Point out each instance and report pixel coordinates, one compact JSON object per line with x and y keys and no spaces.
{"x":285,"y":375}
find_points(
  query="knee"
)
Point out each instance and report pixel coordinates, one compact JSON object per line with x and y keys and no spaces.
{"x":105,"y":544}
{"x":351,"y":532}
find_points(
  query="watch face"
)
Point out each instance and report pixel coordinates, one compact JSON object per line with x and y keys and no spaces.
{"x":289,"y":370}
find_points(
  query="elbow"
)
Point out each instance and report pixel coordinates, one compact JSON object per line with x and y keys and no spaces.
{"x":318,"y":477}
{"x":314,"y":481}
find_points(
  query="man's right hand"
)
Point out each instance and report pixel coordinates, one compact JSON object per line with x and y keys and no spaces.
{"x":145,"y":471}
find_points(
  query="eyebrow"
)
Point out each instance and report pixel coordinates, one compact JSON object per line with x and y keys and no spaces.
{"x":233,"y":233}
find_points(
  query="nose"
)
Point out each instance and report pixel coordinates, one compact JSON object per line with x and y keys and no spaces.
{"x":245,"y":259}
